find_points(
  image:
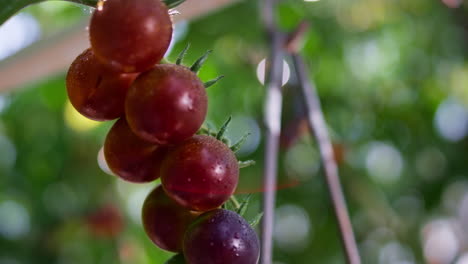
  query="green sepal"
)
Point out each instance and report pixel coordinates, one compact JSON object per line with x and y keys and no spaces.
{"x":176,"y":259}
{"x":229,"y":205}
{"x":173,"y":3}
{"x":223,"y":129}
{"x":226,"y":141}
{"x":213,"y":82}
{"x":164,"y":61}
{"x":203,"y":131}
{"x":199,"y":63}
{"x":254,"y":222}
{"x":245,"y":164}
{"x":239,"y":143}
{"x":182,"y":54}
{"x":244,"y":205}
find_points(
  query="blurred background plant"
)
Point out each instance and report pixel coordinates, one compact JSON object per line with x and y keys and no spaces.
{"x":393,"y":80}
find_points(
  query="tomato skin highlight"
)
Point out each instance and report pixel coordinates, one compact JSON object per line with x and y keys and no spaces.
{"x":94,"y":90}
{"x":130,"y":35}
{"x":221,"y":237}
{"x":167,"y":104}
{"x":131,"y":158}
{"x":200,"y":173}
{"x":164,"y":221}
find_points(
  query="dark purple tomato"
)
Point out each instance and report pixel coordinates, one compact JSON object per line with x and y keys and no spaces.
{"x":166,"y":104}
{"x":200,"y":173}
{"x":94,"y":90}
{"x":165,"y":221}
{"x":221,"y":237}
{"x":130,"y":157}
{"x":130,"y":35}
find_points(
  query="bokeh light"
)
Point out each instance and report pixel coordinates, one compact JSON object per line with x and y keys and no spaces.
{"x":239,"y":126}
{"x":7,"y":152}
{"x":3,"y":102}
{"x":18,"y":32}
{"x":134,"y":195}
{"x":76,"y":121}
{"x":430,"y":163}
{"x":15,"y":221}
{"x":451,"y":120}
{"x":9,"y":260}
{"x":261,"y":72}
{"x":463,"y":259}
{"x":101,"y":159}
{"x":452,"y":3}
{"x":292,"y":227}
{"x":440,"y":242}
{"x":384,"y":162}
{"x":301,"y":162}
{"x":395,"y":253}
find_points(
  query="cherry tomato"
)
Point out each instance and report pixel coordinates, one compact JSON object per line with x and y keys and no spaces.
{"x":167,"y":104}
{"x":130,"y":36}
{"x":200,"y":173}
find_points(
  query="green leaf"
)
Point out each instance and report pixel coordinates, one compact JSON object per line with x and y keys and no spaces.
{"x":223,"y":129}
{"x":182,"y":54}
{"x":8,"y":8}
{"x":244,"y":205}
{"x":229,"y":205}
{"x":176,"y":259}
{"x":239,"y":143}
{"x":254,"y":222}
{"x":173,"y":3}
{"x":199,"y":63}
{"x":213,"y":82}
{"x":245,"y":164}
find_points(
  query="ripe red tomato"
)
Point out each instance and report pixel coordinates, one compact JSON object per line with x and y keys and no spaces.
{"x":130,"y":157}
{"x":167,"y":104}
{"x":130,"y":36}
{"x":165,"y":221}
{"x":200,"y":173}
{"x":94,"y":90}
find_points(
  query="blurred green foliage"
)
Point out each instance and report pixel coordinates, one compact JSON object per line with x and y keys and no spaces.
{"x":393,"y":80}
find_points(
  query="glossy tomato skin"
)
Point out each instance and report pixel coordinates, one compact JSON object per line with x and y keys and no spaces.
{"x":95,"y":91}
{"x":221,"y":237}
{"x":130,"y":35}
{"x":165,"y":221}
{"x":166,"y":104}
{"x":200,"y":173}
{"x":130,"y":157}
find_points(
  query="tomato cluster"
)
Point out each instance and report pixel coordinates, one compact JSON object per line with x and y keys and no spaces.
{"x":160,"y":109}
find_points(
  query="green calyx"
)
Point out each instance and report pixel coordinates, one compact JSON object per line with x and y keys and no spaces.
{"x":220,"y":135}
{"x":180,"y":57}
{"x":200,"y":61}
{"x":213,"y":82}
{"x":197,"y":65}
{"x":173,"y":3}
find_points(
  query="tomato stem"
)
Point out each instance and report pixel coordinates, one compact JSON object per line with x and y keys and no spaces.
{"x":235,"y":202}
